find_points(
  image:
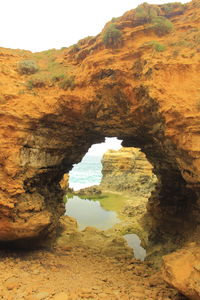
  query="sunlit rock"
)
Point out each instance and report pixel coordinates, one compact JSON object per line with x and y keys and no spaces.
{"x":127,"y":170}
{"x":181,"y":269}
{"x":147,"y":98}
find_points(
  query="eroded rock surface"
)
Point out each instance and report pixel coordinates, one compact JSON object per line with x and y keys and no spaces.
{"x":127,"y":170}
{"x":76,"y":274}
{"x":91,"y":239}
{"x":147,"y":98}
{"x":181,"y":269}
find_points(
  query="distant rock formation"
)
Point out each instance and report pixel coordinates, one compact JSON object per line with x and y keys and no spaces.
{"x":127,"y":169}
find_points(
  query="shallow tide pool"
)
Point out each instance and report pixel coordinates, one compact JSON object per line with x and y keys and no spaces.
{"x":91,"y":213}
{"x":134,"y":242}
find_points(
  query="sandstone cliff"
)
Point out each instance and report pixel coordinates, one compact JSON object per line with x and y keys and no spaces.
{"x":143,"y":93}
{"x":127,"y":170}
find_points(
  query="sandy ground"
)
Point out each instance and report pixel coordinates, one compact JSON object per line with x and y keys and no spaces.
{"x":77,"y":274}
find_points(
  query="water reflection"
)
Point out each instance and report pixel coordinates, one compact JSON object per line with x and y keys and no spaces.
{"x":90,"y":213}
{"x":134,"y":242}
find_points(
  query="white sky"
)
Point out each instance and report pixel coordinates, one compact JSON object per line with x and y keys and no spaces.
{"x":99,"y":149}
{"x":38,"y":25}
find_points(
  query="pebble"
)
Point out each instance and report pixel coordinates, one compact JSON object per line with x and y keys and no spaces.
{"x":12,"y":283}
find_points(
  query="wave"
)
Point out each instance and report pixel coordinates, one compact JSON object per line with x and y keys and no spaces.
{"x":86,"y":173}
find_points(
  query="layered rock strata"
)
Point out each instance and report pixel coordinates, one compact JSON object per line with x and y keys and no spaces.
{"x":147,"y":98}
{"x":127,"y":170}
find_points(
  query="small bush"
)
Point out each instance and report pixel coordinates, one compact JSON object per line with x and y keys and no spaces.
{"x":162,"y":26}
{"x":145,"y":13}
{"x":27,"y":67}
{"x":75,"y":48}
{"x":37,"y":82}
{"x":157,"y":46}
{"x":113,"y":20}
{"x":167,"y":8}
{"x":57,"y":77}
{"x":175,"y":8}
{"x":68,"y":82}
{"x":112,"y":36}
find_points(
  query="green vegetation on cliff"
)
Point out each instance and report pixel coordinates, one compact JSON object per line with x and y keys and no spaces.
{"x":67,"y":82}
{"x":50,"y":71}
{"x":112,"y":36}
{"x":27,"y":67}
{"x":162,"y":26}
{"x":157,"y":46}
{"x":145,"y":13}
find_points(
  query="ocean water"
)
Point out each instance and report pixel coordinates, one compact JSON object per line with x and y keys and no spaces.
{"x":86,"y":173}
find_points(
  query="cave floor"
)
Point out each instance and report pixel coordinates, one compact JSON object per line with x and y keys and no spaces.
{"x":77,"y":273}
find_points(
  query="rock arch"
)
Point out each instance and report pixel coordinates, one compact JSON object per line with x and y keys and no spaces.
{"x":53,"y":143}
{"x":128,"y":93}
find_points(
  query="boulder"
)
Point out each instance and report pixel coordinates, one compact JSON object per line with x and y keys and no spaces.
{"x":181,"y":269}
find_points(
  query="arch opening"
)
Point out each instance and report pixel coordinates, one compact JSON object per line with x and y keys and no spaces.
{"x":84,"y":183}
{"x":108,"y":190}
{"x":165,"y":217}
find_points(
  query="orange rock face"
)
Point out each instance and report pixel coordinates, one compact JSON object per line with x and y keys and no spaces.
{"x":146,"y":97}
{"x":181,"y":269}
